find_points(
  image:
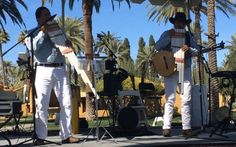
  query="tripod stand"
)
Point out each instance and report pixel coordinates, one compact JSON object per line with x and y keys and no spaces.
{"x":98,"y":123}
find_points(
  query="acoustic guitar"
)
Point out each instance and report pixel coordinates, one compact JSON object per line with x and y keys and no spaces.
{"x":165,"y":61}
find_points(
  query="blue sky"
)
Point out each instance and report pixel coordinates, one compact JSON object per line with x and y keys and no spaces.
{"x":123,"y":22}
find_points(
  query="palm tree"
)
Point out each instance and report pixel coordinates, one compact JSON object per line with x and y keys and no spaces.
{"x":21,"y":36}
{"x":214,"y":98}
{"x":73,"y":29}
{"x":145,"y":60}
{"x":230,"y":60}
{"x":103,"y":41}
{"x":87,"y":8}
{"x":3,"y":39}
{"x":108,"y":43}
{"x":9,"y":7}
{"x":14,"y":75}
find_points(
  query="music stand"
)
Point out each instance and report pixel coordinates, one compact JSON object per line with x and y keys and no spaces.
{"x":32,"y":69}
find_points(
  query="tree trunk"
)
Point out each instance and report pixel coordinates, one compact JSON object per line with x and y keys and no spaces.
{"x":87,"y":7}
{"x":2,"y":68}
{"x":63,"y":13}
{"x":143,"y":72}
{"x":197,"y":32}
{"x":150,"y":70}
{"x":214,"y":96}
{"x":197,"y":26}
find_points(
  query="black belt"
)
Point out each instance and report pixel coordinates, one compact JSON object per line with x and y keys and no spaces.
{"x":51,"y":64}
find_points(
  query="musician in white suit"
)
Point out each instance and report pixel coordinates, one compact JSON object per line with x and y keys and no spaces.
{"x":172,"y":40}
{"x":50,"y":74}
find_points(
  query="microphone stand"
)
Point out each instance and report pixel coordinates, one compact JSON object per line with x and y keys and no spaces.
{"x":200,"y":84}
{"x":199,"y":61}
{"x":33,"y":68}
{"x":199,"y":56}
{"x":208,"y":70}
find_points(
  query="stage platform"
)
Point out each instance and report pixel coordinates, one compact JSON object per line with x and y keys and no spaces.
{"x":152,"y":137}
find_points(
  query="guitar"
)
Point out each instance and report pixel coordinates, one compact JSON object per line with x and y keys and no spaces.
{"x":165,"y":61}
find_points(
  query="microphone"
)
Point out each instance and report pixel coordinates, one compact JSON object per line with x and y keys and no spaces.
{"x":99,"y":36}
{"x":212,"y":35}
{"x":222,"y":44}
{"x":49,"y":19}
{"x":52,"y":17}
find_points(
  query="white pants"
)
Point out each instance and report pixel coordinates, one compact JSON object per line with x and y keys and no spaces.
{"x":171,"y":83}
{"x":46,"y":79}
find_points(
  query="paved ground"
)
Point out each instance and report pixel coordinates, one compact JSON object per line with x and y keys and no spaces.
{"x":152,"y":137}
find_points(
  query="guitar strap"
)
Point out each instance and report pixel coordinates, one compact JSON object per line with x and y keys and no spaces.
{"x":178,"y":39}
{"x":187,"y":38}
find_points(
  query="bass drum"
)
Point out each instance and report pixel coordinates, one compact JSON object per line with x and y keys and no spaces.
{"x":128,"y":119}
{"x":222,"y":113}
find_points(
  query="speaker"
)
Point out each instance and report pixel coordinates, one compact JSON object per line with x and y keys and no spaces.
{"x":196,"y":106}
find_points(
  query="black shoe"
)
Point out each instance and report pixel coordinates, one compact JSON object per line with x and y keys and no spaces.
{"x":166,"y":132}
{"x":187,"y":132}
{"x":38,"y":142}
{"x":71,"y":140}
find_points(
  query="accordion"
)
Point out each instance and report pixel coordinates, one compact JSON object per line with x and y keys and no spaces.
{"x":59,"y":38}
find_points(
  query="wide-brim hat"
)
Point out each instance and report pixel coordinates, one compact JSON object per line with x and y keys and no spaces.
{"x":180,"y":16}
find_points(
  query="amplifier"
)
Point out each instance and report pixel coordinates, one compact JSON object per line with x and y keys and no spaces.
{"x":10,"y":107}
{"x":7,"y":96}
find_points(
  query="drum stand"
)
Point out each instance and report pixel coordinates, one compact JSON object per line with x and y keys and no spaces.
{"x":224,"y":125}
{"x":98,"y":123}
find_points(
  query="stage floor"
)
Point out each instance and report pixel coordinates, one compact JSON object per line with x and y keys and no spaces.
{"x":152,"y":137}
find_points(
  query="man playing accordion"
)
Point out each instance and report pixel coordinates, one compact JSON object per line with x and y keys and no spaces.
{"x":50,"y":74}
